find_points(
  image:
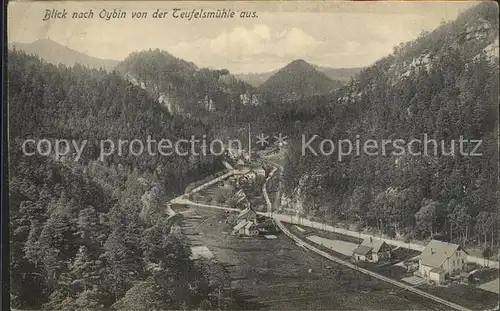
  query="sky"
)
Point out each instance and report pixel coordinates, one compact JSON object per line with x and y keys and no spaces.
{"x":333,"y":34}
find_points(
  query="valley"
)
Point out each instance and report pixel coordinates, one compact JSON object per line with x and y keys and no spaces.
{"x":229,"y":212}
{"x":273,"y":274}
{"x":389,"y":272}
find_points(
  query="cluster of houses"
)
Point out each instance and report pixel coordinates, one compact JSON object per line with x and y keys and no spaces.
{"x":250,"y":224}
{"x":251,"y":175}
{"x":438,"y":261}
{"x":237,"y":156}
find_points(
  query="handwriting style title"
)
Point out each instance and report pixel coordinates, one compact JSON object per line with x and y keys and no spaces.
{"x":177,"y":13}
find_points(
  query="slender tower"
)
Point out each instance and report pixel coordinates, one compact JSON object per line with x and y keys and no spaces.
{"x":249,"y":145}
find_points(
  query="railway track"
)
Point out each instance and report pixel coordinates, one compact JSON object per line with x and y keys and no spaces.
{"x":368,"y":272}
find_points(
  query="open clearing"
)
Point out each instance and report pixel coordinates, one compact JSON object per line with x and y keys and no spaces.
{"x":273,"y":274}
{"x":492,"y":286}
{"x":201,"y":252}
{"x":342,"y":247}
{"x":414,"y":280}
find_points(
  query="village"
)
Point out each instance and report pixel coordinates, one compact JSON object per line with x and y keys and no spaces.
{"x":440,"y":268}
{"x":439,"y":264}
{"x":243,"y":192}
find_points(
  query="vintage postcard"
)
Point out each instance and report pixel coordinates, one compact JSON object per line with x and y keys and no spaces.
{"x":201,"y":155}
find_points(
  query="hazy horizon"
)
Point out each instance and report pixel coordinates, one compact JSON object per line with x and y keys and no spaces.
{"x":283,"y":32}
{"x":199,"y":65}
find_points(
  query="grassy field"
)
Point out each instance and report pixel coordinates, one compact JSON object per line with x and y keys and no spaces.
{"x":467,"y":295}
{"x":279,"y":275}
{"x":333,"y":235}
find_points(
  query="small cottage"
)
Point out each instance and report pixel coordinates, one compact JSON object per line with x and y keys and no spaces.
{"x":239,"y":228}
{"x":362,"y":253}
{"x":372,"y":250}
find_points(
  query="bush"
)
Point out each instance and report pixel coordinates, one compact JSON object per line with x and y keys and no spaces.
{"x":222,"y":194}
{"x":391,"y":233}
{"x":359,"y":227}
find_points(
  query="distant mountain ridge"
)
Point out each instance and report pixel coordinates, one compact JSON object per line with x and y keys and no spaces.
{"x":180,"y":85}
{"x":57,"y":53}
{"x":184,"y":87}
{"x":295,"y":81}
{"x":240,"y":87}
{"x":340,"y":74}
{"x":256,"y":79}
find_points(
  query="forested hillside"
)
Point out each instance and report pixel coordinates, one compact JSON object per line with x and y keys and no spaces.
{"x":182,"y":86}
{"x":443,"y":84}
{"x":297,"y":80}
{"x":90,"y":233}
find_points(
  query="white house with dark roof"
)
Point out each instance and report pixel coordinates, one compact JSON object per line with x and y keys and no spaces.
{"x":361,"y":253}
{"x":246,"y":223}
{"x":239,"y":228}
{"x":441,"y":259}
{"x":372,"y":250}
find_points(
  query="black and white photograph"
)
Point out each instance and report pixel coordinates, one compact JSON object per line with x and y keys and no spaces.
{"x":252,"y":155}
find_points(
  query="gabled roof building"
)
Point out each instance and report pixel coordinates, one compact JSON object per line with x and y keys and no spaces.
{"x":372,"y":250}
{"x":441,"y":259}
